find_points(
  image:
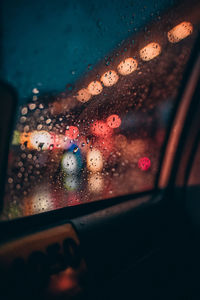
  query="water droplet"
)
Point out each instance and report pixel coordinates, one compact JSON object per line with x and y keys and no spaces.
{"x":75,"y":150}
{"x":23,"y":155}
{"x":26,"y":128}
{"x":34,"y":98}
{"x":20,"y":164}
{"x":10,"y":180}
{"x":18,"y":186}
{"x":32,"y":106}
{"x":35,"y":91}
{"x":24,"y":110}
{"x":39,"y":127}
{"x":23,"y":119}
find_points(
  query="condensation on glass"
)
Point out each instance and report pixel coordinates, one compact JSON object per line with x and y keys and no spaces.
{"x":101,"y":138}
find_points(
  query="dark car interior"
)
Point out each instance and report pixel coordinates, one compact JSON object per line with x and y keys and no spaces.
{"x":100,"y":150}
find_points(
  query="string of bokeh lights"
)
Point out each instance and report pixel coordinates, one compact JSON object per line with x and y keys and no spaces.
{"x":129,"y":65}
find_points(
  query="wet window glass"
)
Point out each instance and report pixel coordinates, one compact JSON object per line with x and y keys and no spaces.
{"x":97,"y":81}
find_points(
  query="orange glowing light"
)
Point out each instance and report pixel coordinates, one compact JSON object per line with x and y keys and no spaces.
{"x":95,"y":88}
{"x":114,"y":121}
{"x":109,"y":78}
{"x":72,"y":132}
{"x":83,"y":95}
{"x":101,"y":129}
{"x":150,"y":51}
{"x":25,"y":140}
{"x":95,"y":183}
{"x":127,"y":66}
{"x":180,"y":32}
{"x":94,"y":160}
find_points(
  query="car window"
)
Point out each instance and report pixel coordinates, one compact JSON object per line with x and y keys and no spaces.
{"x":92,"y":117}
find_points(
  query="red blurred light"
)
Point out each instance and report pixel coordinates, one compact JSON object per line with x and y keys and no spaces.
{"x":144,"y":163}
{"x":72,"y":199}
{"x":101,"y":129}
{"x":104,"y":145}
{"x":63,"y":282}
{"x":113,"y":121}
{"x":72,"y":133}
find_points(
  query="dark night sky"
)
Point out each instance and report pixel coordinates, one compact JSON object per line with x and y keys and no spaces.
{"x":49,"y":44}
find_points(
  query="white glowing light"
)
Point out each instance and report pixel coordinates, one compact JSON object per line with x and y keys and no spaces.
{"x":71,"y":182}
{"x":35,"y":91}
{"x":83,"y":95}
{"x":180,"y":32}
{"x":95,"y":183}
{"x":41,"y":201}
{"x":40,"y":140}
{"x":127,"y":66}
{"x":94,"y":160}
{"x":69,"y":163}
{"x":109,"y":78}
{"x":150,"y":51}
{"x":95,"y":88}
